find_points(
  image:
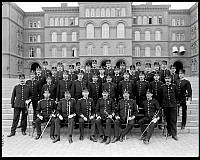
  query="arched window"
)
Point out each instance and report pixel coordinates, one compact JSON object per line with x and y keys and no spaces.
{"x":64,"y":36}
{"x":147,"y":36}
{"x":155,"y":20}
{"x":137,"y":51}
{"x":107,"y":12}
{"x":158,"y":51}
{"x":157,"y":36}
{"x":137,"y":36}
{"x":51,"y":22}
{"x":144,"y":19}
{"x":105,"y":30}
{"x":147,"y":52}
{"x":139,"y":20}
{"x":105,"y":50}
{"x":92,"y":12}
{"x":97,"y":12}
{"x":121,"y":49}
{"x":120,"y":30}
{"x":61,"y":22}
{"x":56,"y":22}
{"x":66,"y":22}
{"x":74,"y":36}
{"x":102,"y":12}
{"x":31,"y":52}
{"x":90,"y":31}
{"x":87,"y":12}
{"x":90,"y":50}
{"x":54,"y":37}
{"x":64,"y":52}
{"x":38,"y":51}
{"x":74,"y":52}
{"x":54,"y":52}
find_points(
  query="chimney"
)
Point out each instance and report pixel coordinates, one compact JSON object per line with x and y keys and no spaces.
{"x":64,"y":5}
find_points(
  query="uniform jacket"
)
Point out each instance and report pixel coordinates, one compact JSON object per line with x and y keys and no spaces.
{"x":34,"y":85}
{"x":95,"y":91}
{"x":102,"y":79}
{"x":128,"y":86}
{"x":45,"y":72}
{"x":59,"y":75}
{"x":155,"y":87}
{"x":63,"y":85}
{"x":109,"y":71}
{"x":77,"y":87}
{"x":88,"y":77}
{"x":149,"y":76}
{"x":52,"y":90}
{"x":116,"y":79}
{"x":20,"y":94}
{"x":111,"y":88}
{"x":163,"y":74}
{"x":151,"y":107}
{"x":41,"y":81}
{"x":95,"y":71}
{"x":72,"y":77}
{"x":175,"y":78}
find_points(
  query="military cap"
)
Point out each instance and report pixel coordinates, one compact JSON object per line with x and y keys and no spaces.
{"x":21,"y":76}
{"x":85,"y":90}
{"x":126,"y":92}
{"x":126,"y":72}
{"x":54,"y":69}
{"x":148,"y":65}
{"x":81,"y":72}
{"x":122,"y":63}
{"x":47,"y":90}
{"x":67,"y":92}
{"x":38,"y":69}
{"x":132,"y":67}
{"x":116,"y":67}
{"x":164,"y":62}
{"x":45,"y":63}
{"x":167,"y":76}
{"x":138,"y":64}
{"x":101,"y":68}
{"x":78,"y":63}
{"x":182,"y":71}
{"x":156,"y":64}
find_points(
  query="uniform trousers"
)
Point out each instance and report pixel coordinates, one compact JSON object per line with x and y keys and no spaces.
{"x":107,"y":131}
{"x":34,"y":104}
{"x":184,"y":112}
{"x":81,"y":126}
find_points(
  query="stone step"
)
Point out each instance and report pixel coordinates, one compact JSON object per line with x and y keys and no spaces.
{"x":10,"y":116}
{"x":11,"y":111}
{"x":189,"y":117}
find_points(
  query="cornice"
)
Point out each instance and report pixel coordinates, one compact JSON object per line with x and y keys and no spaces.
{"x":180,"y":11}
{"x":34,"y":13}
{"x":61,"y":9}
{"x":150,"y":7}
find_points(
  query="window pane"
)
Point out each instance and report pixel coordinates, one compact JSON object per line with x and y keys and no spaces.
{"x":118,"y":12}
{"x":123,"y":12}
{"x":173,"y":36}
{"x":87,"y":12}
{"x":56,"y":22}
{"x":102,"y":12}
{"x":74,"y":52}
{"x":147,"y":35}
{"x":173,"y":22}
{"x":76,"y":21}
{"x":54,"y":37}
{"x":137,"y":36}
{"x":105,"y":30}
{"x":157,"y":36}
{"x":71,"y":21}
{"x":90,"y":31}
{"x":64,"y":36}
{"x":61,"y":22}
{"x":90,"y":50}
{"x":64,"y":52}
{"x":134,"y":20}
{"x":38,"y":38}
{"x":38,"y":52}
{"x":147,"y":51}
{"x":121,"y":49}
{"x":158,"y":51}
{"x":97,"y":12}
{"x":144,"y":19}
{"x":92,"y":12}
{"x":139,"y":20}
{"x":105,"y":50}
{"x":54,"y":52}
{"x":74,"y":36}
{"x":120,"y":30}
{"x":107,"y":12}
{"x":66,"y":22}
{"x":155,"y":20}
{"x":112,"y":12}
{"x":39,"y":24}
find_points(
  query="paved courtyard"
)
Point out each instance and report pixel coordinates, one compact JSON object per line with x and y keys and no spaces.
{"x":26,"y":146}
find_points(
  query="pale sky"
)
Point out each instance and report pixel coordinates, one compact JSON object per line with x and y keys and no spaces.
{"x":37,"y":6}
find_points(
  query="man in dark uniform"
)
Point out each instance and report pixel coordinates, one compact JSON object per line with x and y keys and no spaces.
{"x":184,"y":94}
{"x":164,"y":71}
{"x":72,"y":75}
{"x":156,"y":68}
{"x":45,"y":71}
{"x":86,"y":112}
{"x":60,"y":69}
{"x":117,"y":77}
{"x":78,"y":68}
{"x":63,"y":85}
{"x":148,"y":73}
{"x":152,"y":115}
{"x":104,"y":112}
{"x":101,"y":76}
{"x":124,"y":114}
{"x":41,"y":80}
{"x":94,"y":68}
{"x":132,"y":74}
{"x":21,"y":96}
{"x":45,"y":110}
{"x":65,"y":113}
{"x":88,"y":74}
{"x":94,"y":88}
{"x":138,"y":68}
{"x":109,"y":70}
{"x":127,"y":85}
{"x":174,"y":75}
{"x":141,"y":88}
{"x":110,"y":87}
{"x":122,"y":68}
{"x":169,"y":104}
{"x":51,"y":87}
{"x":54,"y":76}
{"x":34,"y":85}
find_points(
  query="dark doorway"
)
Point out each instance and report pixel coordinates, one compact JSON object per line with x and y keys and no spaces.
{"x":89,"y":62}
{"x":178,"y":65}
{"x":34,"y":66}
{"x":103,"y":63}
{"x":119,"y":62}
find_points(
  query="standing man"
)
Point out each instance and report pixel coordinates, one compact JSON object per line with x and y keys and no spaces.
{"x":184,"y":94}
{"x":88,"y":74}
{"x":45,"y":71}
{"x":122,"y":68}
{"x":101,"y":76}
{"x":132,"y":74}
{"x":41,"y":80}
{"x":66,"y":111}
{"x":21,"y":96}
{"x":156,"y":68}
{"x":169,"y":104}
{"x":164,"y":71}
{"x":138,"y":69}
{"x":72,"y":75}
{"x":109,"y":70}
{"x":78,"y":68}
{"x":174,"y":75}
{"x":60,"y":69}
{"x":148,"y":73}
{"x":94,"y":68}
{"x":54,"y":76}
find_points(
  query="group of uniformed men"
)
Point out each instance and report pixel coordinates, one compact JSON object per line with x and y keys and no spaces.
{"x":102,"y":96}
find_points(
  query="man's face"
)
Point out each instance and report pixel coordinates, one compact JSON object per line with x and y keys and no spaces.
{"x":59,"y":68}
{"x":45,"y":66}
{"x":148,"y":69}
{"x":87,"y":68}
{"x":109,"y":79}
{"x":181,"y":75}
{"x":138,"y":67}
{"x":105,"y":95}
{"x":94,"y":65}
{"x":126,"y":76}
{"x":141,"y":76}
{"x":95,"y":79}
{"x":156,"y":77}
{"x":38,"y":72}
{"x":53,"y":72}
{"x":149,"y":95}
{"x":65,"y":76}
{"x":78,"y":67}
{"x":67,"y":95}
{"x":156,"y":68}
{"x":32,"y":76}
{"x":22,"y":80}
{"x":108,"y":65}
{"x":164,"y":66}
{"x":173,"y":69}
{"x":126,"y":96}
{"x":116,"y":71}
{"x":46,"y":94}
{"x":85,"y":93}
{"x":168,"y":80}
{"x":101,"y":71}
{"x":48,"y":80}
{"x":80,"y":76}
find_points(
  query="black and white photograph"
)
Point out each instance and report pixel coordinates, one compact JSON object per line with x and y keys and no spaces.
{"x":100,"y":79}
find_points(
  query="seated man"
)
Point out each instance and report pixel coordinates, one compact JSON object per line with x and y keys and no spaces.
{"x":44,"y":111}
{"x":152,"y":114}
{"x":125,"y":113}
{"x":65,"y":113}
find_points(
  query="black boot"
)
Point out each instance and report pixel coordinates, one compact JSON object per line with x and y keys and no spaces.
{"x":102,"y":139}
{"x":52,"y":137}
{"x":107,"y":140}
{"x":70,"y":139}
{"x":37,"y":137}
{"x":23,"y":133}
{"x":92,"y":138}
{"x":114,"y":140}
{"x":11,"y":134}
{"x":56,"y":139}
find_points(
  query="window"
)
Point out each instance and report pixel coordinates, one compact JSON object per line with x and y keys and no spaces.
{"x":150,"y":20}
{"x":87,"y":12}
{"x":123,"y":12}
{"x":139,"y":20}
{"x":39,"y":24}
{"x":61,"y":22}
{"x":178,"y":36}
{"x":147,"y":52}
{"x":92,"y":12}
{"x":105,"y":50}
{"x":173,"y":36}
{"x":134,"y":20}
{"x":38,"y":38}
{"x":173,"y":22}
{"x":64,"y":36}
{"x":107,"y":12}
{"x":64,"y":52}
{"x":32,"y":39}
{"x":160,"y":20}
{"x":97,"y":12}
{"x":182,"y":22}
{"x":38,"y":51}
{"x":178,"y":22}
{"x":112,"y":12}
{"x":155,"y":20}
{"x":51,"y":22}
{"x":76,"y":21}
{"x":74,"y":52}
{"x":54,"y":37}
{"x":90,"y":31}
{"x":54,"y":52}
{"x":34,"y":25}
{"x":137,"y":36}
{"x":66,"y":22}
{"x":144,"y":19}
{"x":158,"y":51}
{"x":182,"y":37}
{"x":90,"y":50}
{"x":120,"y":30}
{"x":71,"y":21}
{"x":56,"y":22}
{"x":105,"y":30}
{"x":102,"y":12}
{"x":117,"y":12}
{"x":31,"y":52}
{"x":121,"y":49}
{"x":74,"y":36}
{"x":147,"y":36}
{"x":137,"y":51}
{"x":157,"y":36}
{"x":30,"y":25}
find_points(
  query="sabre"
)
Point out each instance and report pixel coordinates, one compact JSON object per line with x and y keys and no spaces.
{"x":28,"y":119}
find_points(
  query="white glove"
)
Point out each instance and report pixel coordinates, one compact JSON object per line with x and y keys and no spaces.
{"x":85,"y":119}
{"x":52,"y":115}
{"x":60,"y":117}
{"x":98,"y":117}
{"x":82,"y":115}
{"x":117,"y":117}
{"x":27,"y":101}
{"x":113,"y":114}
{"x":129,"y":118}
{"x":91,"y":117}
{"x":110,"y":116}
{"x":70,"y":116}
{"x":154,"y":120}
{"x":40,"y":117}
